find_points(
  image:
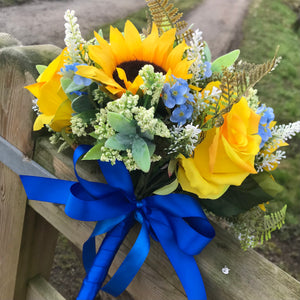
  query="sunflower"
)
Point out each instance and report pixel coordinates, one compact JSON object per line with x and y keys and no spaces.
{"x":122,"y":58}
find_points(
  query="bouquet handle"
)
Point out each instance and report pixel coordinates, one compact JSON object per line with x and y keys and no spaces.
{"x":106,"y":253}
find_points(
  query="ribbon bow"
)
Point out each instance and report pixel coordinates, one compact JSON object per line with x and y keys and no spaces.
{"x":176,"y":221}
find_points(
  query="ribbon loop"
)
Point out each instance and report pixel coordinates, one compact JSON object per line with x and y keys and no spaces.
{"x":176,"y":220}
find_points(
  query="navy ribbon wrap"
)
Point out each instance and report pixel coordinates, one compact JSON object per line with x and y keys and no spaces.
{"x":176,"y":221}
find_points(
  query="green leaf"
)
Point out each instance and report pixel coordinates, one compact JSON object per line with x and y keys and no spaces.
{"x":87,"y":116}
{"x":226,"y":60}
{"x":151,"y":147}
{"x":237,"y":199}
{"x":73,"y":87}
{"x":267,"y":183}
{"x":119,"y":142}
{"x":82,"y":103}
{"x":140,"y":153}
{"x":94,"y":153}
{"x":41,"y":68}
{"x":94,"y":135}
{"x":207,"y":52}
{"x":147,"y":134}
{"x":65,"y":82}
{"x":121,"y":124}
{"x":167,"y":189}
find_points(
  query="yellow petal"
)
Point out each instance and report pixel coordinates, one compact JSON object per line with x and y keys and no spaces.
{"x":104,"y":57}
{"x":62,"y":116}
{"x":119,"y":46}
{"x":175,"y":56}
{"x":164,"y":47}
{"x":97,"y":75}
{"x":41,"y":120}
{"x":133,"y":40}
{"x":149,"y":45}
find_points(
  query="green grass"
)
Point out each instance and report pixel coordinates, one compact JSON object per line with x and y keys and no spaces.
{"x":139,"y":18}
{"x":270,"y":23}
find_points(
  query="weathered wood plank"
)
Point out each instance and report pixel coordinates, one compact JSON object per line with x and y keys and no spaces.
{"x":14,"y":103}
{"x":251,"y":276}
{"x":41,"y":289}
{"x":16,"y":116}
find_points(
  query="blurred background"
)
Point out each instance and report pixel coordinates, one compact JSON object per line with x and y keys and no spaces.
{"x":254,"y":26}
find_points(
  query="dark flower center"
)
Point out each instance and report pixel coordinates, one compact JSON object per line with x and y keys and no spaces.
{"x":132,"y":69}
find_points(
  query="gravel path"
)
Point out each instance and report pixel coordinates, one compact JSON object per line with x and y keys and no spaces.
{"x":42,"y":22}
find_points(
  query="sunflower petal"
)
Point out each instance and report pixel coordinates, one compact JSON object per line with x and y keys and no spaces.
{"x":133,"y":40}
{"x":119,"y":46}
{"x":149,"y":45}
{"x":164,"y":46}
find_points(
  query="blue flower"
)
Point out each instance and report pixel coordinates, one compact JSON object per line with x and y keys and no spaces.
{"x":176,"y":94}
{"x":79,"y":80}
{"x":267,"y":116}
{"x":207,"y":70}
{"x":72,"y":67}
{"x":182,"y":113}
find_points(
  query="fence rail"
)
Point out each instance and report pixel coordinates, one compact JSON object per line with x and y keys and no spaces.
{"x":28,"y":230}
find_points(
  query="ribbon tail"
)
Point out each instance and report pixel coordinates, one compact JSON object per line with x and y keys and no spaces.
{"x":184,"y":265}
{"x":107,"y":251}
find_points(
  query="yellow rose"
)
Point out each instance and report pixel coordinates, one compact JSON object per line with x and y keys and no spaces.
{"x":225,"y":157}
{"x":53,"y":103}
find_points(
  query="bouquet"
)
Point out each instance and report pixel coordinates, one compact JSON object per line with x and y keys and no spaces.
{"x":173,"y":132}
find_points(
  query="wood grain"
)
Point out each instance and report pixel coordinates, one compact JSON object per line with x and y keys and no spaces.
{"x":16,"y":116}
{"x":41,"y":289}
{"x":251,"y":276}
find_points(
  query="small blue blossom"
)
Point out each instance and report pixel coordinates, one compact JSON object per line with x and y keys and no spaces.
{"x":267,"y":116}
{"x":207,"y":70}
{"x":72,"y":67}
{"x":181,"y":114}
{"x":78,"y":93}
{"x":79,"y":80}
{"x":176,"y":94}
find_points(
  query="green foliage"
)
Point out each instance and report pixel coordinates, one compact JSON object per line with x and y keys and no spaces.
{"x":121,"y":124}
{"x":82,"y":103}
{"x":238,"y":199}
{"x":280,"y":89}
{"x":41,"y":68}
{"x":255,"y":226}
{"x":225,"y":61}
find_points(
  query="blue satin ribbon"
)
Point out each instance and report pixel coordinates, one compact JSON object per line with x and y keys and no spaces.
{"x":176,"y":221}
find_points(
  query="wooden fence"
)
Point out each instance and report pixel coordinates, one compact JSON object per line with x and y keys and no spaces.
{"x":29,"y":229}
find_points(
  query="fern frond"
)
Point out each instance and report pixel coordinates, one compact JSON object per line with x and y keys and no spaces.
{"x":255,"y":226}
{"x":165,"y":15}
{"x":272,"y":222}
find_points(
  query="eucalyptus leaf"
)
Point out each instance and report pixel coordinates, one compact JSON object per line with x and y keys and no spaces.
{"x":73,"y":87}
{"x":82,"y":103}
{"x":151,"y":148}
{"x":65,"y":82}
{"x":237,"y":199}
{"x":140,"y":153}
{"x":121,"y":124}
{"x":147,"y":134}
{"x":226,"y":60}
{"x":119,"y":142}
{"x":94,"y":153}
{"x":87,"y":116}
{"x":41,"y":68}
{"x":167,"y":189}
